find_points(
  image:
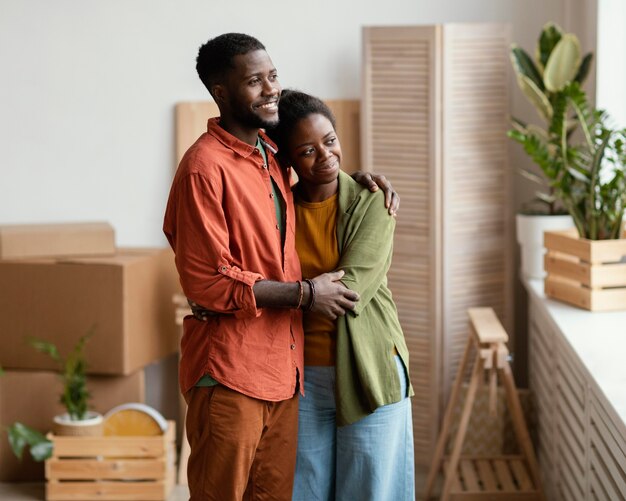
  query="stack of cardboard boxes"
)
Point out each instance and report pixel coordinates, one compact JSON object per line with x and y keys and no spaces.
{"x":58,"y":282}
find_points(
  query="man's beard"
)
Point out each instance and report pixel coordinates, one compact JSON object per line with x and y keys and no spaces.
{"x":248,"y":118}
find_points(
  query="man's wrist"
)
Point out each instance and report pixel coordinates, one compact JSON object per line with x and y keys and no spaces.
{"x":310,"y":300}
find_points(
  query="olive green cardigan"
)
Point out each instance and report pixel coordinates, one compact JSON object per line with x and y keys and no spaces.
{"x":367,"y":377}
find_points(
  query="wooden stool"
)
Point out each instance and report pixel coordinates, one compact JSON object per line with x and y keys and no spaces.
{"x":493,"y":478}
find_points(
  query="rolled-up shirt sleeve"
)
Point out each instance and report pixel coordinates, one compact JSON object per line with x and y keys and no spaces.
{"x":195,"y":226}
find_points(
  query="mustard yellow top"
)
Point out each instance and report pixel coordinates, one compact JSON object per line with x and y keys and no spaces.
{"x":316,"y":244}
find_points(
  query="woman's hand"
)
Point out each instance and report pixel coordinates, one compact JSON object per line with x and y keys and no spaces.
{"x":374,"y":181}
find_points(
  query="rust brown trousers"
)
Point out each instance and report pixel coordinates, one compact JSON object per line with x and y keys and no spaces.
{"x":242,"y":448}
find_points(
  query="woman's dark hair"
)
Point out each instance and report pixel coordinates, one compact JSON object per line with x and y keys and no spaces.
{"x":293,"y":106}
{"x":216,"y":56}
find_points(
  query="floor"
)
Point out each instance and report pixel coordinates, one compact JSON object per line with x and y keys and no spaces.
{"x":36,"y":492}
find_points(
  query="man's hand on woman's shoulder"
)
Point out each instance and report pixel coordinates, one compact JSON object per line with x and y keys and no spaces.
{"x":373,"y":181}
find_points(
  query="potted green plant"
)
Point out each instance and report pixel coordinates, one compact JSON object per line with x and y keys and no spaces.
{"x":557,"y":61}
{"x":587,"y":172}
{"x":587,"y":175}
{"x":78,"y":420}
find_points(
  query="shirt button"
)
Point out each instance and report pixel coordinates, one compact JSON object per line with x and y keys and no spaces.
{"x":293,"y":346}
{"x":277,"y":227}
{"x":271,"y":195}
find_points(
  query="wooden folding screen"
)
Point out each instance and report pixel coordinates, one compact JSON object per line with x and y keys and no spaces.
{"x":434,"y":113}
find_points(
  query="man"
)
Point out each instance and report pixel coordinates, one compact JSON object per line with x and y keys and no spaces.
{"x":230,"y":221}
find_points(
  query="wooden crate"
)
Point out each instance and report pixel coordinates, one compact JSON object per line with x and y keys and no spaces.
{"x":590,"y":274}
{"x":112,"y":468}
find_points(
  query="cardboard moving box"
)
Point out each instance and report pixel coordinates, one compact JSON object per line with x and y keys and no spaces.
{"x":21,"y":241}
{"x":32,"y":398}
{"x":126,"y":299}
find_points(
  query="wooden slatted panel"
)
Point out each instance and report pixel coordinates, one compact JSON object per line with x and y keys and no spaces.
{"x":571,"y":440}
{"x":582,"y":439}
{"x":476,"y":213}
{"x":398,"y":124}
{"x":542,"y":377}
{"x":607,"y":451}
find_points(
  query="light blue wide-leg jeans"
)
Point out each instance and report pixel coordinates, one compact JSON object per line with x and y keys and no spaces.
{"x":370,"y":460}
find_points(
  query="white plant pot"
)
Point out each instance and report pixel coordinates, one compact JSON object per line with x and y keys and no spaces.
{"x":530,"y":237}
{"x":90,"y":426}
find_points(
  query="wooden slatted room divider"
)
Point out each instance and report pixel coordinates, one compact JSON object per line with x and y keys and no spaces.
{"x":433,"y":118}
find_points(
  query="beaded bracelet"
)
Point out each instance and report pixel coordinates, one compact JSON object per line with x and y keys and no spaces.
{"x":309,"y":307}
{"x":300,"y":294}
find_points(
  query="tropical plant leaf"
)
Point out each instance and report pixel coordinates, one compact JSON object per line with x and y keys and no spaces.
{"x":583,"y":70}
{"x":518,"y":124}
{"x":531,"y":176}
{"x":42,"y":450}
{"x":545,"y":198}
{"x":45,"y":347}
{"x":524,"y":66}
{"x":538,"y":131}
{"x":563,"y":64}
{"x":550,"y":36}
{"x":16,"y":440}
{"x":537,"y":98}
{"x":21,"y":435}
{"x":578,"y":175}
{"x":578,"y":101}
{"x":599,"y":155}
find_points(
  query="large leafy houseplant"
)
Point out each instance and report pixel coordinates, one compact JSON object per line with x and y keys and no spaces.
{"x":586,"y":171}
{"x":75,"y":397}
{"x":557,"y":62}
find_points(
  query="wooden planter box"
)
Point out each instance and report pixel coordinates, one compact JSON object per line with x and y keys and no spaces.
{"x":589,"y":274}
{"x":112,"y":468}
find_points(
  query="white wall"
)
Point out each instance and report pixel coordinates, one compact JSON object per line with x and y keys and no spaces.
{"x":611,"y":69}
{"x":88,"y":87}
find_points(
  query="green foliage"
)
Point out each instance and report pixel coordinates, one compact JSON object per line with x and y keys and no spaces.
{"x":21,"y":436}
{"x":556,"y":64}
{"x":73,"y":374}
{"x":549,"y":37}
{"x":74,"y":397}
{"x":587,"y":176}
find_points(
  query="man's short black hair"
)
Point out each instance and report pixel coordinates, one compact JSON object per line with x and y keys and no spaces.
{"x":216,"y":56}
{"x":294,"y":106}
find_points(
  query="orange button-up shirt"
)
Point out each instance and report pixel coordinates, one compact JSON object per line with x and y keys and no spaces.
{"x":221,"y":222}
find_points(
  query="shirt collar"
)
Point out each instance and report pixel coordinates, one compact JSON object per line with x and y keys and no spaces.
{"x":237,"y":145}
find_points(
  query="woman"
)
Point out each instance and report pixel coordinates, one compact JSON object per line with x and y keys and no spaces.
{"x":355,"y":438}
